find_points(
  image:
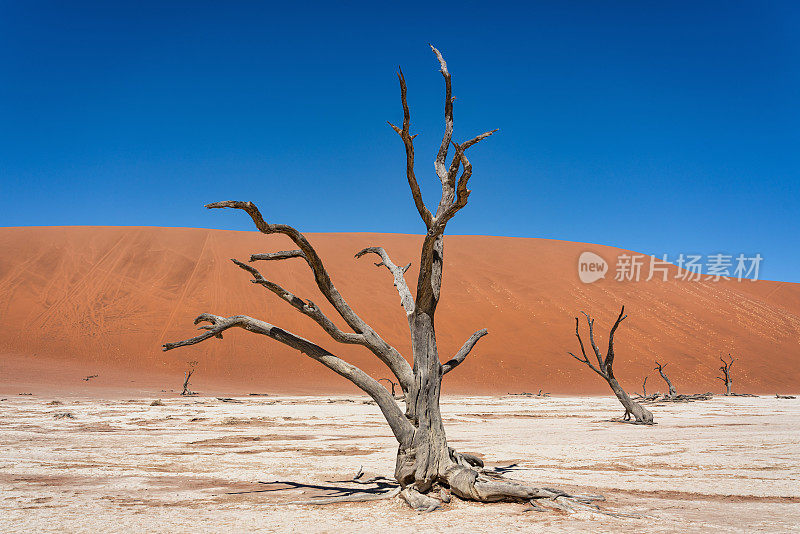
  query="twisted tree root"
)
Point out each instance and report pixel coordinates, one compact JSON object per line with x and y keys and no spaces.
{"x":488,"y":486}
{"x":419,"y":501}
{"x":467,"y":481}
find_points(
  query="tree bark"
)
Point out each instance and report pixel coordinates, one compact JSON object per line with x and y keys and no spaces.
{"x":426,"y":460}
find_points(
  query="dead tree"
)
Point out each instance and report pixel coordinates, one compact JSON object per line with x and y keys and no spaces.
{"x":391,"y":383}
{"x":187,"y":375}
{"x":660,"y":369}
{"x":644,"y":387}
{"x":726,"y":373}
{"x":427,"y":469}
{"x":605,"y":369}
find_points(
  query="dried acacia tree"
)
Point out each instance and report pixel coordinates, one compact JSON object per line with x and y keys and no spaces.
{"x":187,"y":375}
{"x":392,"y":383}
{"x":427,"y":469}
{"x":605,"y":369}
{"x":660,"y":369}
{"x":726,"y":373}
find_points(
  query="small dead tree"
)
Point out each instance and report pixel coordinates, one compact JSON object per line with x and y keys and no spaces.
{"x":644,"y":387}
{"x":660,"y":369}
{"x":187,"y":375}
{"x":427,"y":469}
{"x":726,"y":373}
{"x":392,"y":383}
{"x":605,"y":369}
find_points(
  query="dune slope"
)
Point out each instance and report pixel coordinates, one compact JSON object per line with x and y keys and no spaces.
{"x":77,"y":301}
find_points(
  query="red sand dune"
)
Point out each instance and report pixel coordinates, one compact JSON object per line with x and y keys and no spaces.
{"x":78,"y":301}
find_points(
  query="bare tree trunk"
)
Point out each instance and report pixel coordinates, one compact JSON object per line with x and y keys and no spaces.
{"x":644,"y":387}
{"x":427,"y":458}
{"x":606,"y":370}
{"x":660,"y":369}
{"x":640,"y":414}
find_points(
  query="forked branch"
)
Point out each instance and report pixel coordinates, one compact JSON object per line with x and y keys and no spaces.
{"x":604,"y":365}
{"x":584,"y":358}
{"x":670,"y":387}
{"x":308,"y":253}
{"x":307,"y":308}
{"x":454,"y":195}
{"x":388,"y":354}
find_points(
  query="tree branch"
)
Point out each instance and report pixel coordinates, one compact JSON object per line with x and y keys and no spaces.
{"x":585,"y":359}
{"x":441,"y":157}
{"x":454,"y":197}
{"x":406,"y":299}
{"x":610,"y":354}
{"x":401,"y":427}
{"x":408,"y":141}
{"x":430,"y":273}
{"x":281,"y":255}
{"x":307,"y":308}
{"x":463,"y":351}
{"x":600,"y":362}
{"x":388,"y":354}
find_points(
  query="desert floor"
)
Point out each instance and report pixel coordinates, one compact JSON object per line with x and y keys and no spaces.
{"x":199,"y":464}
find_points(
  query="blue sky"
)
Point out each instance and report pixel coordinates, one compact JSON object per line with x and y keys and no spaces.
{"x":657,"y":127}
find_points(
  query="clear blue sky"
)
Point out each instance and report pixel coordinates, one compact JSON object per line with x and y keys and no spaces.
{"x":662,"y":127}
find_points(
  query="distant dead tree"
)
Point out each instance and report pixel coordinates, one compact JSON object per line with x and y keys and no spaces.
{"x":392,"y":383}
{"x":187,"y":375}
{"x":644,"y":387}
{"x":427,"y":469}
{"x":660,"y":369}
{"x":605,"y":369}
{"x":726,"y":373}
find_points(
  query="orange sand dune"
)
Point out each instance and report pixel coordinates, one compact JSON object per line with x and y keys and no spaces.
{"x":78,"y":301}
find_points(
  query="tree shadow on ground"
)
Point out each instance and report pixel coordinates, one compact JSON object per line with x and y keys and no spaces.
{"x":331,"y":491}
